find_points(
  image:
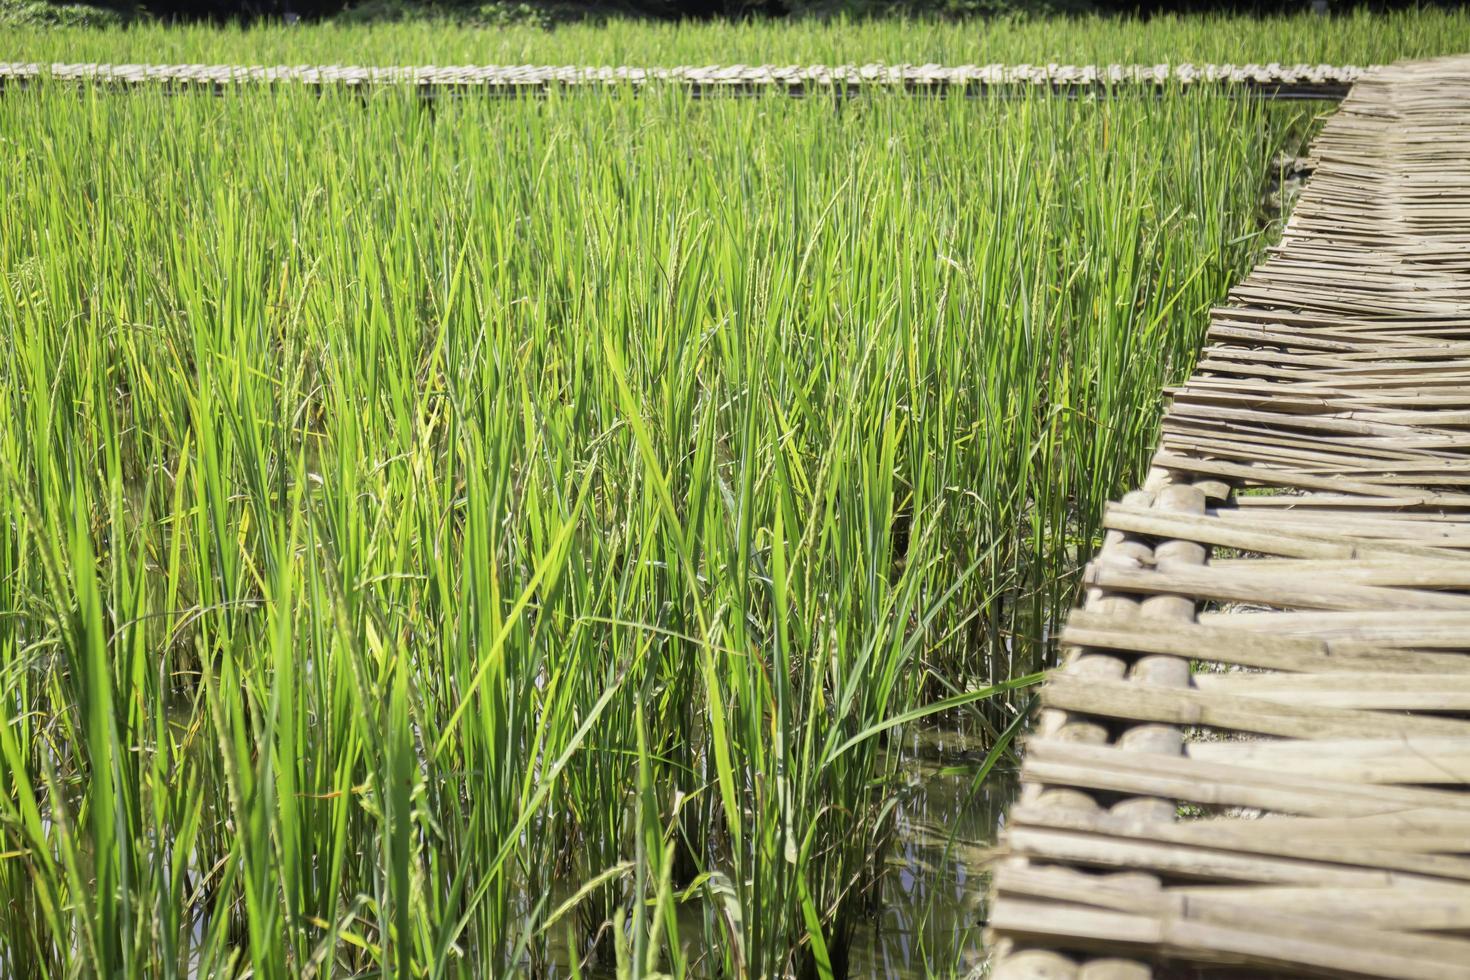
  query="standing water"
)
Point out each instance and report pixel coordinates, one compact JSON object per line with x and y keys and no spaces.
{"x":931,"y":914}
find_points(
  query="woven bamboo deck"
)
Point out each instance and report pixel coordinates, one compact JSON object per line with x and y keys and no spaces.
{"x":1254,"y":758}
{"x":1280,"y":81}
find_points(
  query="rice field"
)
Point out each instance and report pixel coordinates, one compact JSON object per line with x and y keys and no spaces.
{"x":1352,"y":37}
{"x":509,"y":537}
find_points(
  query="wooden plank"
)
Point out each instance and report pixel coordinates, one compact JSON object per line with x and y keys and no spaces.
{"x":1365,"y":760}
{"x":1281,"y":476}
{"x":1417,"y":573}
{"x":1288,"y":591}
{"x":1404,"y":830}
{"x":1108,"y":769}
{"x":1214,"y":530}
{"x":1256,"y":940}
{"x":1410,"y":909}
{"x":1379,"y":691}
{"x":1422,"y":630}
{"x":1251,"y":648}
{"x":1218,"y":851}
{"x":1303,"y":920}
{"x":1311,"y":909}
{"x":1234,"y":712}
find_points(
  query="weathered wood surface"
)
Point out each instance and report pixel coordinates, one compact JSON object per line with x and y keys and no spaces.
{"x":1286,"y":81}
{"x":1256,"y":752}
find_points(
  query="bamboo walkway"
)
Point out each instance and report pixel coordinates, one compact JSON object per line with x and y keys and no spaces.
{"x":1255,"y":757}
{"x":1279,"y":81}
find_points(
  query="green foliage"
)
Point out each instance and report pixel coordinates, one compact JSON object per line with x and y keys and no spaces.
{"x":507,"y":13}
{"x":494,"y":15}
{"x":1359,"y":38}
{"x":440,"y":539}
{"x":44,"y":14}
{"x":948,"y":9}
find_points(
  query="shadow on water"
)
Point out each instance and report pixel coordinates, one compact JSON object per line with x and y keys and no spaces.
{"x":931,"y":913}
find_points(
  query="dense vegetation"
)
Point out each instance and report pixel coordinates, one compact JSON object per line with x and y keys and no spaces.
{"x":553,"y":12}
{"x":438,"y":537}
{"x":1359,"y":38}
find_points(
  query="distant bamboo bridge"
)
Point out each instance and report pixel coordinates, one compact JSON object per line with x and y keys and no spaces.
{"x":1270,"y":80}
{"x":1255,"y":755}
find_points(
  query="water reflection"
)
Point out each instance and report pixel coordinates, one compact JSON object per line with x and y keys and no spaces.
{"x":930,"y":918}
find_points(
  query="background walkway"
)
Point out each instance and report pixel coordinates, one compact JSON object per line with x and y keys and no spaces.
{"x":1290,"y":81}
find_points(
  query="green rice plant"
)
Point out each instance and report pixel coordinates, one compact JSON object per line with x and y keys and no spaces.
{"x":498,"y":536}
{"x":1356,"y":37}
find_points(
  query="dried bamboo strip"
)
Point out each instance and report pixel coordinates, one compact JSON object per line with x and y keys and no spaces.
{"x":1297,"y":940}
{"x":1414,"y":909}
{"x":1260,"y":586}
{"x":1272,"y":651}
{"x":1310,"y":907}
{"x":1255,"y":939}
{"x":1430,"y":760}
{"x":1235,"y":712}
{"x":1107,"y":769}
{"x":1220,"y":852}
{"x":1287,"y":537}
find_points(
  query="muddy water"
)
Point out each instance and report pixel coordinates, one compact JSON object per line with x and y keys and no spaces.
{"x":930,"y":918}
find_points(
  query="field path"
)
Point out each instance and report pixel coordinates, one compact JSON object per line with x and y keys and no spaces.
{"x":1279,"y":81}
{"x":1257,"y":751}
